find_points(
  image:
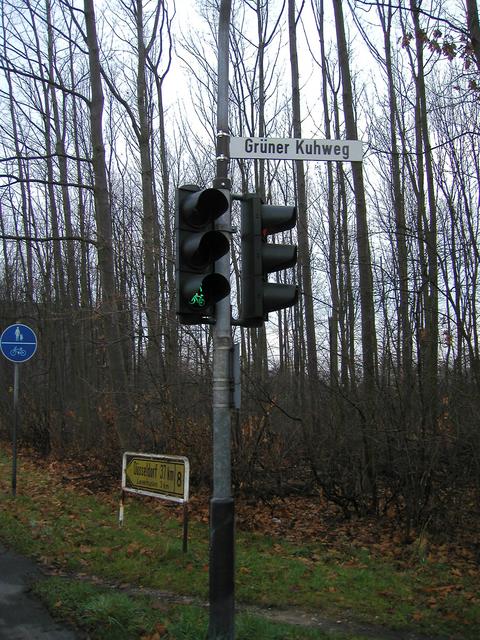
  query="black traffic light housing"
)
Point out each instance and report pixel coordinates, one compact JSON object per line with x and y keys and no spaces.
{"x":198,"y":245}
{"x":259,"y":258}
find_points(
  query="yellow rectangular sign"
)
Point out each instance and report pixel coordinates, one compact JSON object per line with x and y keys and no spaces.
{"x":160,"y":476}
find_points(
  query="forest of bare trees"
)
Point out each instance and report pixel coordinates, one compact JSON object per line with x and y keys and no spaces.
{"x":368,"y":390}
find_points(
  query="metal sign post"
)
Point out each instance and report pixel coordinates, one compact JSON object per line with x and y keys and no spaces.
{"x":18,"y":343}
{"x":16,"y":382}
{"x":221,"y":575}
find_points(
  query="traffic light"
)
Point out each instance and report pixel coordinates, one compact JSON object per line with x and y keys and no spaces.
{"x":259,"y":258}
{"x":198,"y":246}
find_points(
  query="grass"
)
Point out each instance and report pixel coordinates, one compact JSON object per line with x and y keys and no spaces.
{"x":110,"y":615}
{"x":76,"y":532}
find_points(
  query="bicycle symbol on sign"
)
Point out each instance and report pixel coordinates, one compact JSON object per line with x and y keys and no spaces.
{"x":198,"y":299}
{"x":18,"y":351}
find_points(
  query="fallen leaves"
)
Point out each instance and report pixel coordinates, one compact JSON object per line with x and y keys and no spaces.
{"x":84,"y":549}
{"x":321,"y":536}
{"x":443,"y":589}
{"x":135,"y":548}
{"x":159,"y":631}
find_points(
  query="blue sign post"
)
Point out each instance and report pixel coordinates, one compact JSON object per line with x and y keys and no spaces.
{"x":18,"y":343}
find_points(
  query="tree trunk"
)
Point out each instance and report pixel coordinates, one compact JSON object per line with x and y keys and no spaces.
{"x":473,"y":27}
{"x":405,"y":329}
{"x":333,"y":321}
{"x":149,"y":220}
{"x":364,"y":265}
{"x":302,"y":217}
{"x":428,"y":236}
{"x":112,"y":337}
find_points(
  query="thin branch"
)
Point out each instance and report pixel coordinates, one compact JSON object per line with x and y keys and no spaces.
{"x":47,"y":239}
{"x":13,"y":179}
{"x":44,"y":157}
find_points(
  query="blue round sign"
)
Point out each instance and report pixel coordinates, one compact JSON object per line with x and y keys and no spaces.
{"x":18,"y":342}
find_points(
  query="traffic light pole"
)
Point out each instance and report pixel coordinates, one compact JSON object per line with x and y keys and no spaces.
{"x":222,"y":603}
{"x":222,"y":545}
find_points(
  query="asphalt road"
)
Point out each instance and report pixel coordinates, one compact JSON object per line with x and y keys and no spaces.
{"x":22,"y":616}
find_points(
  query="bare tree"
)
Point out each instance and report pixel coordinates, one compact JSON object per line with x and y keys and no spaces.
{"x":369,"y":354}
{"x":110,"y":311}
{"x":302,"y":226}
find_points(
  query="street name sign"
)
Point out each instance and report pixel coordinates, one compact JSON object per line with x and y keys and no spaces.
{"x":159,"y":476}
{"x":296,"y":149}
{"x":18,"y":343}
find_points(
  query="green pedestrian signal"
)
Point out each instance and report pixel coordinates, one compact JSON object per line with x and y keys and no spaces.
{"x":259,"y":258}
{"x":198,"y":246}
